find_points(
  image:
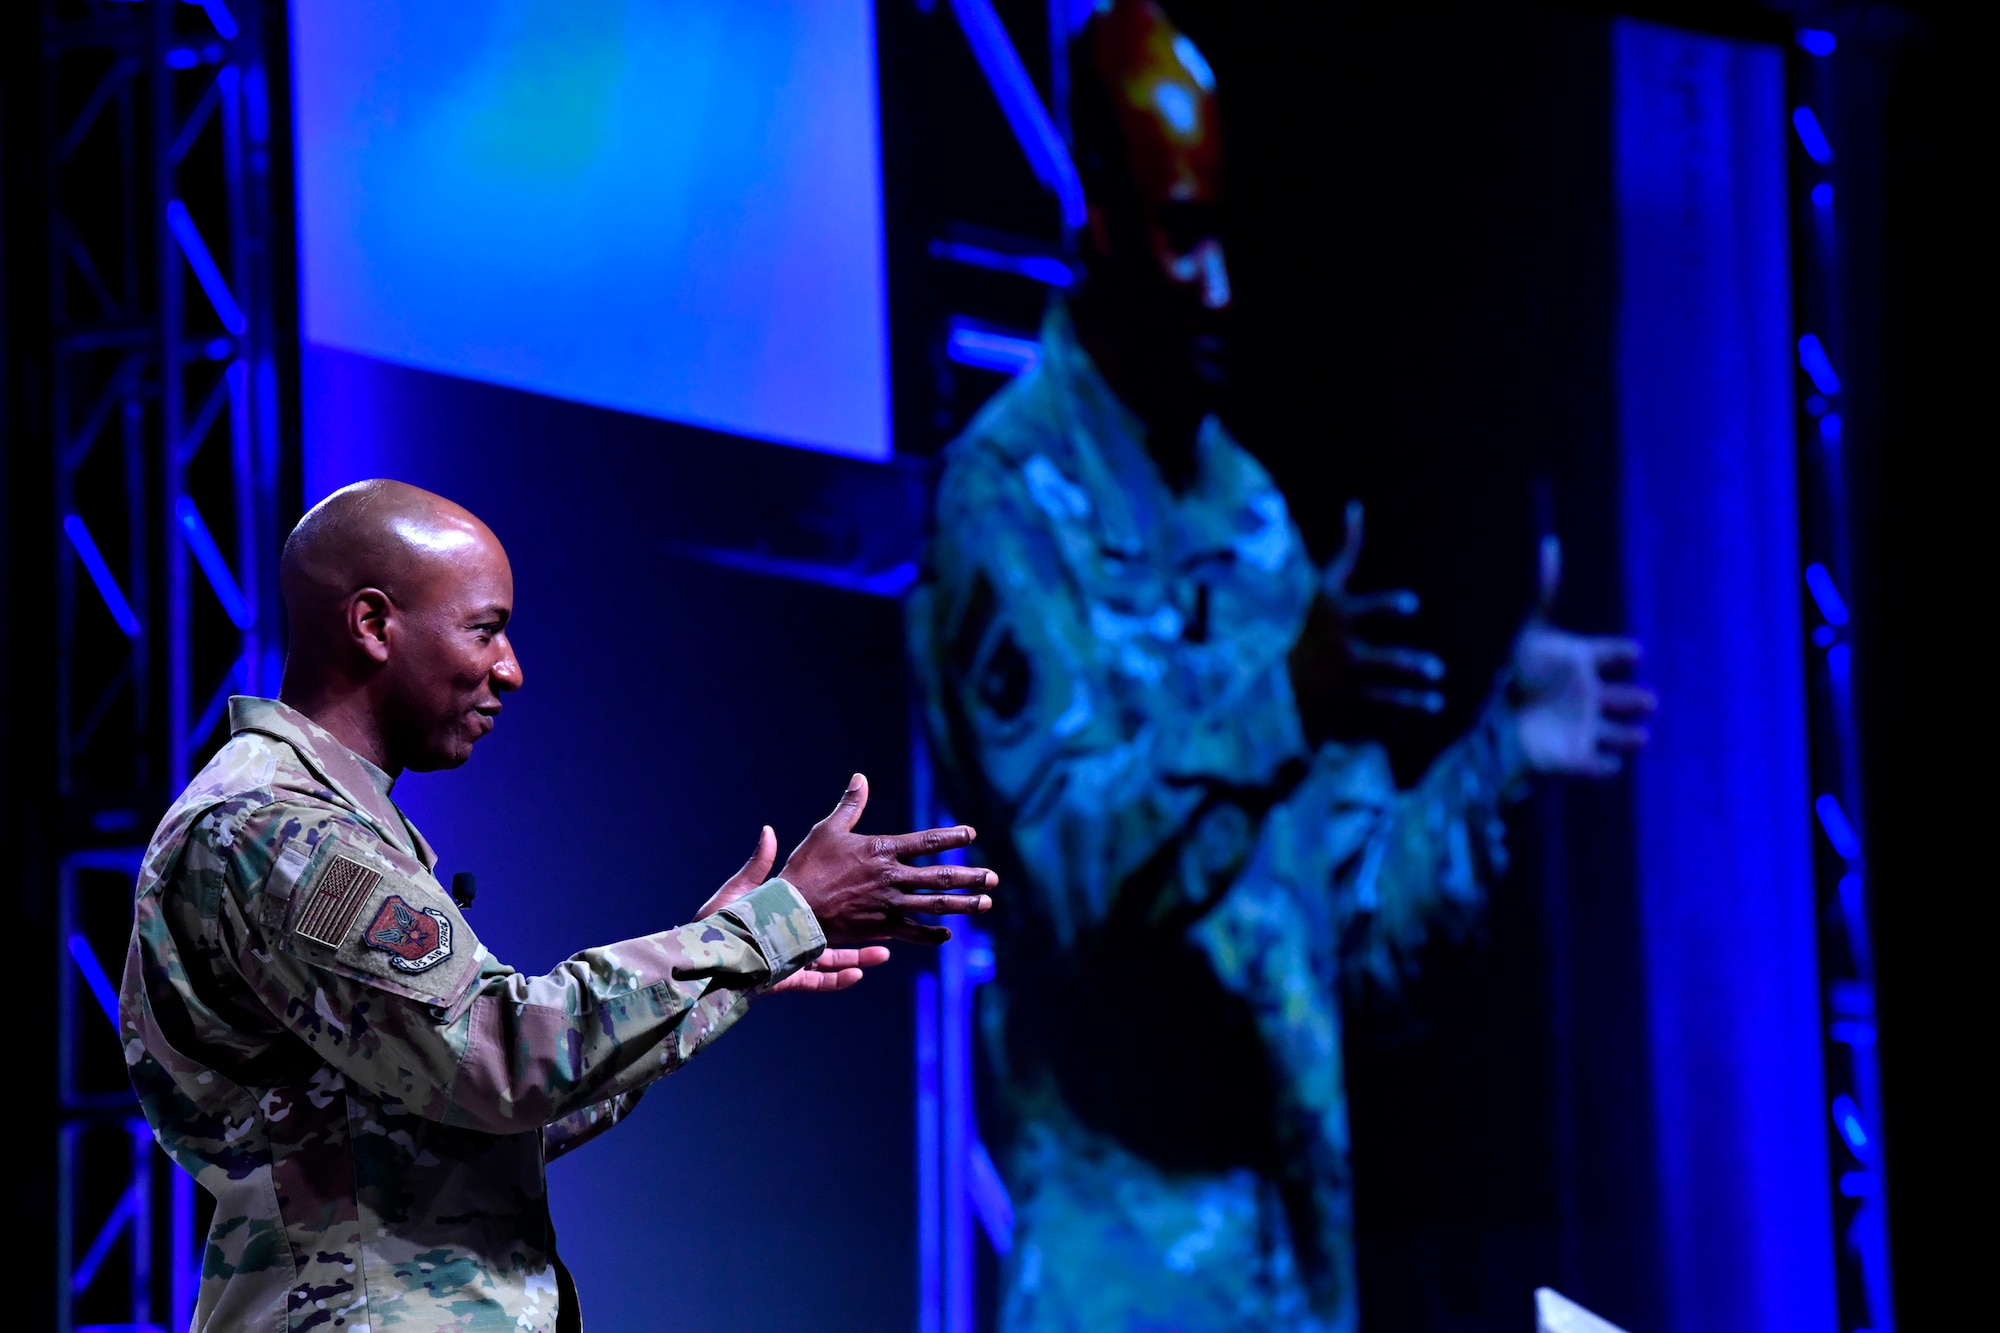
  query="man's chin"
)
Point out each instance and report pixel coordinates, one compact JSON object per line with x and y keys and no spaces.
{"x":451,"y":754}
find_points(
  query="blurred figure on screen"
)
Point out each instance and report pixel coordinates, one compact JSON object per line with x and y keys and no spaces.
{"x":1129,"y":663}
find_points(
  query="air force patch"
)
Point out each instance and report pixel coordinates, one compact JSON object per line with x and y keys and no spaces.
{"x":416,"y":939}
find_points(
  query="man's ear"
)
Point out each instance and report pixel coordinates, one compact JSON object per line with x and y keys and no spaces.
{"x":369,"y":612}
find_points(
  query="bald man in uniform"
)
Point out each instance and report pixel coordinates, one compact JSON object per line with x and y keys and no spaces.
{"x":315,"y":1031}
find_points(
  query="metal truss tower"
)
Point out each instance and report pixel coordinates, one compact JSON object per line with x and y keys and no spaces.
{"x":163,"y":422}
{"x":1858,"y":1178}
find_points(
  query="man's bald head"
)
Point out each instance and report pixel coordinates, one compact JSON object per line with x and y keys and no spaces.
{"x":399,"y":601}
{"x":380,"y":534}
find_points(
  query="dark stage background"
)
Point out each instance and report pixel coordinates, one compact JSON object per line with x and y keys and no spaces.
{"x":1421,"y":242}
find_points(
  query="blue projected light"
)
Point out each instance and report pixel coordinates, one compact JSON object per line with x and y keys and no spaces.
{"x":971,"y":344}
{"x":1822,"y":195}
{"x":1816,"y":41}
{"x":1022,"y":105}
{"x":1045,"y":269}
{"x":667,"y":207}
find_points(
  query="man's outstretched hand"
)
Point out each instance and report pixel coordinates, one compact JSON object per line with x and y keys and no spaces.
{"x":859,"y":888}
{"x":1575,"y":715}
{"x":834,"y":969}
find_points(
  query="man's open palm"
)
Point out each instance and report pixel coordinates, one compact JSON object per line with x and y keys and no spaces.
{"x":1573,"y":719}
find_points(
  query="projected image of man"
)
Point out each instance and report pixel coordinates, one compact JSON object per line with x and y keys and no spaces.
{"x":1129,"y":663}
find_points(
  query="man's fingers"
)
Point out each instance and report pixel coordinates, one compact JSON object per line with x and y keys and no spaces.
{"x":1422,"y":701}
{"x":930,"y":842}
{"x":1428,"y":666}
{"x":1615,"y":652}
{"x":1629,"y":701}
{"x":810,"y":980}
{"x":943,"y":904}
{"x":847,"y":811}
{"x":758,"y":868}
{"x":944,"y":877}
{"x":1343,"y":564}
{"x":839,"y":960}
{"x":1396,"y":602}
{"x":916,"y":932}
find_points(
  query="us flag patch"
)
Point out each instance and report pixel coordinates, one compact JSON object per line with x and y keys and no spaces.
{"x":337,"y":898}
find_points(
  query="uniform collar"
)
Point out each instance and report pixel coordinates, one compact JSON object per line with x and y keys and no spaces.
{"x":1130,"y":479}
{"x":364,"y":787}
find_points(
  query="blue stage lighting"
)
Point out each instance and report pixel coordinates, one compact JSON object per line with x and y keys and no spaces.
{"x":93,"y":976}
{"x":1022,"y":105}
{"x":203,"y":264}
{"x":100,"y":574}
{"x":989,"y":1198}
{"x":1814,"y":361}
{"x":1829,"y":428}
{"x":1811,"y":137}
{"x":1045,"y":269}
{"x":1838,"y":831}
{"x":1831,"y":604}
{"x":1816,"y":41}
{"x":213,"y":565}
{"x":1847,"y":1118}
{"x":1822,"y":195}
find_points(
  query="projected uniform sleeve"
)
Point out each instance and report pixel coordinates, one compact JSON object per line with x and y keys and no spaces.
{"x":355,"y":948}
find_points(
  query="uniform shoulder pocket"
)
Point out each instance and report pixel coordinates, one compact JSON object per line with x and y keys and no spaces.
{"x":364,"y":910}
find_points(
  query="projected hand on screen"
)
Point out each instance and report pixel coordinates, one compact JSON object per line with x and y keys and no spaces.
{"x":1333,"y":660}
{"x":1573,"y":716}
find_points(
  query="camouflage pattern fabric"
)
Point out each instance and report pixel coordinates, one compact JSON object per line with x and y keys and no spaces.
{"x":317,"y":1035}
{"x":1104,"y":665}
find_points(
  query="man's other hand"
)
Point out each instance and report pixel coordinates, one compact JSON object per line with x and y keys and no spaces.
{"x":860,"y":889}
{"x":834,"y":969}
{"x":1573,"y":718}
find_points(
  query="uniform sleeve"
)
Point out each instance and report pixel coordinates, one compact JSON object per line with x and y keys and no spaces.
{"x":580,"y":1127}
{"x":1398,"y":865}
{"x":356,"y":949}
{"x":1098,"y":741}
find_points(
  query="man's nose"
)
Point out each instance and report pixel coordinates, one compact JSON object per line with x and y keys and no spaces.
{"x":507,"y":671}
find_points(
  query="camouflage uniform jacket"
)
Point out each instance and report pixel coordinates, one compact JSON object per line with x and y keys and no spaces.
{"x":319,"y":1038}
{"x":1105,"y":670}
